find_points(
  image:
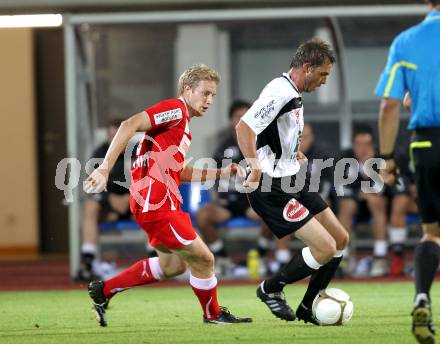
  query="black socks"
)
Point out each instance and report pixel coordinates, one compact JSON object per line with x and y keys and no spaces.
{"x":320,"y":280}
{"x":427,"y":257}
{"x":295,"y":270}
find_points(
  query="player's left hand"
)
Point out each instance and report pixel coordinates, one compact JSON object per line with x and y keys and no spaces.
{"x":390,"y":173}
{"x":97,"y":181}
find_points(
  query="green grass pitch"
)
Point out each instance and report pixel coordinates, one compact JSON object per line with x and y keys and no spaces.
{"x":173,"y":315}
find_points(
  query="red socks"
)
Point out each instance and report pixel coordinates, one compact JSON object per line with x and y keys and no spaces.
{"x":148,"y":271}
{"x":206,"y":292}
{"x":145,"y":271}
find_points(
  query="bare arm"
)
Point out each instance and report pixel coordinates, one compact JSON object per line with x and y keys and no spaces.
{"x":129,"y":127}
{"x":247,"y":143}
{"x":388,"y":127}
{"x":190,"y":174}
{"x":388,"y":124}
{"x":97,"y":181}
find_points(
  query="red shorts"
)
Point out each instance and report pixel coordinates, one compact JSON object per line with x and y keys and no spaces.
{"x":172,"y":230}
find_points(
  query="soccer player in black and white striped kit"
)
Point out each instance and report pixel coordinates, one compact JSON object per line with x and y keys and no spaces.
{"x":269,"y":135}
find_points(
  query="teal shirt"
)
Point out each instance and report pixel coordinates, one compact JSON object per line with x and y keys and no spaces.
{"x":414,"y":65}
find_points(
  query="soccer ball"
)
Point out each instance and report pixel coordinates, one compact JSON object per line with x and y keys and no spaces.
{"x":332,"y":306}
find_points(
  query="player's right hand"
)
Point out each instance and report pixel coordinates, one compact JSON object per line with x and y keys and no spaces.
{"x":232,"y":170}
{"x":97,"y":181}
{"x":300,"y":156}
{"x":252,"y":181}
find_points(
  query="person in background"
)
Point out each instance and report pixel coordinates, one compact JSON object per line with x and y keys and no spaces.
{"x":313,"y":149}
{"x":111,"y":205}
{"x":352,"y":199}
{"x":402,"y":198}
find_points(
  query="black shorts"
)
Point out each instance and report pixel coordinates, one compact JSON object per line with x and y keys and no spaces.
{"x":103,"y":199}
{"x":402,"y":187}
{"x":237,"y":209}
{"x":425,"y":153}
{"x":237,"y":206}
{"x":282,"y":210}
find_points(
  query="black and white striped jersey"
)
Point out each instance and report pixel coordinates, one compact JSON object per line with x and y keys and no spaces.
{"x":276,"y":117}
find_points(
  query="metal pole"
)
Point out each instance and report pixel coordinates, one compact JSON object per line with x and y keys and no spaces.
{"x":346,"y":115}
{"x":72,"y":147}
{"x":248,"y":14}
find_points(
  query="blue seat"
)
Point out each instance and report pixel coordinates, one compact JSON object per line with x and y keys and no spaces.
{"x":239,"y":222}
{"x":412,"y":219}
{"x":193,"y":197}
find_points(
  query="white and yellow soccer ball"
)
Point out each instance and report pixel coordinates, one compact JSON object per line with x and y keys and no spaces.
{"x":333,"y":306}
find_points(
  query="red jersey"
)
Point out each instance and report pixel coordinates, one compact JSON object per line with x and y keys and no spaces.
{"x":155,"y":174}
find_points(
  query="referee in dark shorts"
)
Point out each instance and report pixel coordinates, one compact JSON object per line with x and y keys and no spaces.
{"x":269,"y":135}
{"x":413,"y":67}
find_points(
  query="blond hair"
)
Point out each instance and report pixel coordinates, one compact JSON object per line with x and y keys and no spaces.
{"x":194,"y":74}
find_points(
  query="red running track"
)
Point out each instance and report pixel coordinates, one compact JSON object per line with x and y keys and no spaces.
{"x":52,"y":273}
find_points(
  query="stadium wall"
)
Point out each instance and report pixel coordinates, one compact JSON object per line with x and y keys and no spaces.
{"x":18,"y":201}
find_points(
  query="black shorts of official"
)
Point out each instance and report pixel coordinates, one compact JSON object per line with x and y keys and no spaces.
{"x":283,"y":210}
{"x":103,"y":199}
{"x":425,"y":153}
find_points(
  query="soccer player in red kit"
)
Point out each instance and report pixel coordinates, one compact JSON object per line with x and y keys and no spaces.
{"x":155,"y":198}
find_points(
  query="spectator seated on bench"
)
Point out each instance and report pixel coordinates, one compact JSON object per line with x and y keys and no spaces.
{"x":107,"y":206}
{"x":387,"y":207}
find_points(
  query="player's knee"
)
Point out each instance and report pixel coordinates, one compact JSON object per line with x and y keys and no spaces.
{"x":329,"y":249}
{"x":343,"y":241}
{"x":346,"y":239}
{"x":207,"y":259}
{"x":325,"y":251}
